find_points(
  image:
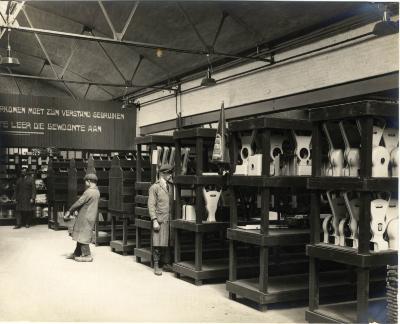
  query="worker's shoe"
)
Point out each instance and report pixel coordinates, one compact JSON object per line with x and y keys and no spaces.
{"x":27,"y":225}
{"x":157,"y":270}
{"x":16,"y":227}
{"x":167,"y":268}
{"x":71,"y":256}
{"x":87,"y":258}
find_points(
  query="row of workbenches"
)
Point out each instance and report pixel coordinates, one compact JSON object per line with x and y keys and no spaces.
{"x":251,"y":244}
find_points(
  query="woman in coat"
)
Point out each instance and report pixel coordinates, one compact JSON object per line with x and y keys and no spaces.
{"x":87,"y":207}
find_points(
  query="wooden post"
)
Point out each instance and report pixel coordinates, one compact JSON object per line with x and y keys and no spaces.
{"x":362,"y":295}
{"x":177,"y":247}
{"x":263,"y":282}
{"x":198,"y":251}
{"x":232,"y":260}
{"x":313,"y":293}
{"x":153,"y":164}
{"x":139,"y":163}
{"x":233,"y":208}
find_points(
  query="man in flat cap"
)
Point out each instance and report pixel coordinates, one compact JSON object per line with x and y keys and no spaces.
{"x":87,"y":207}
{"x":24,"y":195}
{"x":160,"y":205}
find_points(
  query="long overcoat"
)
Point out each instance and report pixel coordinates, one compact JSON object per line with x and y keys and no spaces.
{"x":160,"y":206}
{"x":25,"y":190}
{"x":87,"y":205}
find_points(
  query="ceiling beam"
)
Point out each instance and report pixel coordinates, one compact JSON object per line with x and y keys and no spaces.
{"x":40,"y":73}
{"x":46,"y":54}
{"x":259,"y":39}
{"x":121,"y":35}
{"x":137,"y":67}
{"x":191,"y":23}
{"x":39,"y":31}
{"x":15,"y":81}
{"x":221,"y":23}
{"x":110,"y":24}
{"x":159,"y":66}
{"x":312,"y":33}
{"x":13,"y":15}
{"x":92,"y":83}
{"x":302,"y":100}
{"x":110,"y":58}
{"x":45,"y":62}
{"x":87,"y":90}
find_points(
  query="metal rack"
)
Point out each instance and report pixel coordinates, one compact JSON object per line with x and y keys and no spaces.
{"x":121,"y":204}
{"x":146,"y":166}
{"x":273,"y":240}
{"x":57,"y":185}
{"x":361,"y":258}
{"x":209,"y":260}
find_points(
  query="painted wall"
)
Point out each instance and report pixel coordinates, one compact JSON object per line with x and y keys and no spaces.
{"x":361,"y":59}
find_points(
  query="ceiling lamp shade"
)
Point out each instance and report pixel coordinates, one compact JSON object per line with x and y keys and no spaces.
{"x":208,"y":81}
{"x":130,"y":103}
{"x":386,"y":26}
{"x":9,"y":61}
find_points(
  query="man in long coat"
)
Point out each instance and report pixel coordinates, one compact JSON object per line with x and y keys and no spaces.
{"x":160,"y":206}
{"x":24,"y":194}
{"x":87,"y":207}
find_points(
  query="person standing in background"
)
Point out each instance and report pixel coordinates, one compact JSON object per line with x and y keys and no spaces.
{"x":160,"y":205}
{"x":24,"y":195}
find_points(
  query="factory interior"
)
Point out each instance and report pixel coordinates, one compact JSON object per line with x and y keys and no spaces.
{"x":199,"y":161}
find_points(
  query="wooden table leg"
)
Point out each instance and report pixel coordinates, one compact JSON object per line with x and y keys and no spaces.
{"x":362,"y":295}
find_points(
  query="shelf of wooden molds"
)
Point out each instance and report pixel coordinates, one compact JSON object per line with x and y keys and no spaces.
{"x":152,"y":151}
{"x":357,"y":172}
{"x":271,"y":158}
{"x":121,"y":203}
{"x":201,"y":236}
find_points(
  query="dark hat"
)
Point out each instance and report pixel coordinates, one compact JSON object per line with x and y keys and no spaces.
{"x":91,"y":177}
{"x":166,"y":168}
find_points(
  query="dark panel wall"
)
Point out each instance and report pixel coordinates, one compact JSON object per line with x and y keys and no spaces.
{"x":29,"y":121}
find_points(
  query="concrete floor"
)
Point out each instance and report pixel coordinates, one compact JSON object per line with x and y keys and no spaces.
{"x":37,"y":283}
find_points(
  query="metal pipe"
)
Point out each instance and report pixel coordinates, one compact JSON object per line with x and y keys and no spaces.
{"x":126,"y":43}
{"x":143,"y":104}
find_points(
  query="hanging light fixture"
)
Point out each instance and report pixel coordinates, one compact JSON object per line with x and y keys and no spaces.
{"x":208,"y":81}
{"x":130,"y":103}
{"x":386,"y":26}
{"x":8,"y":60}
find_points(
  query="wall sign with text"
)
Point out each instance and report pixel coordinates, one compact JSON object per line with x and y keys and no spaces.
{"x":28,"y":121}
